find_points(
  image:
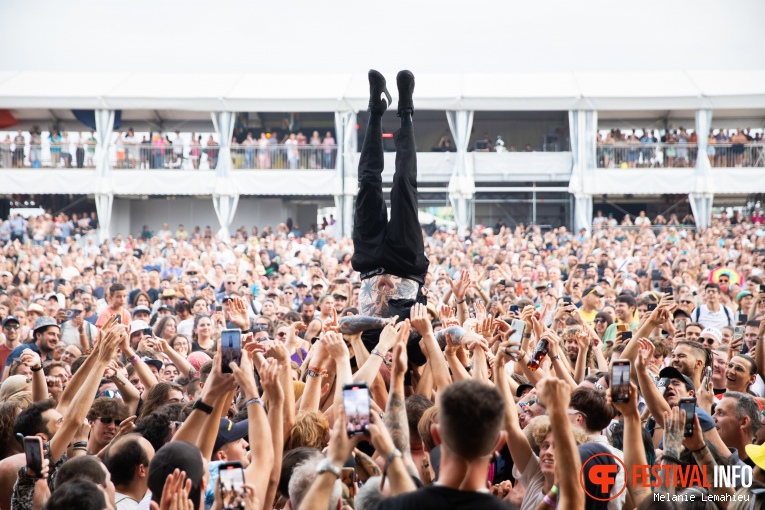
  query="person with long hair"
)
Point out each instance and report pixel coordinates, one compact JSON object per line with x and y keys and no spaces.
{"x":203,"y":338}
{"x":166,"y":327}
{"x":158,"y":395}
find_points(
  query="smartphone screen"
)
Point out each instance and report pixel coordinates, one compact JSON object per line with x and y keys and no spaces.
{"x":668,"y":291}
{"x":743,"y":318}
{"x":357,"y":408}
{"x":514,"y":308}
{"x":762,"y":288}
{"x":231,"y":348}
{"x":566,"y":300}
{"x":119,"y":319}
{"x":218,"y":308}
{"x":620,"y":381}
{"x":651,"y":307}
{"x":627,"y":335}
{"x":71,"y":313}
{"x":231,"y":480}
{"x":348,"y":477}
{"x":147,"y":332}
{"x":519,"y":326}
{"x":689,"y":406}
{"x":33,"y":449}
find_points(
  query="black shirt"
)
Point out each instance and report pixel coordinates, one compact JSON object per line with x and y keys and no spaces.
{"x":440,"y":498}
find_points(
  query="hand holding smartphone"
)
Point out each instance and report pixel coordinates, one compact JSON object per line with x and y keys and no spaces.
{"x":620,"y":381}
{"x":231,"y":481}
{"x":231,"y":348}
{"x":356,"y":403}
{"x":689,"y":406}
{"x":33,"y":450}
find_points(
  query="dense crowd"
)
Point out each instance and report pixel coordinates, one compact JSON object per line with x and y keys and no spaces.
{"x":113,"y":358}
{"x":678,"y":148}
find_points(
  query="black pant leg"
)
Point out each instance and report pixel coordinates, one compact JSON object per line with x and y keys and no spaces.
{"x":371,"y":214}
{"x":404,"y":249}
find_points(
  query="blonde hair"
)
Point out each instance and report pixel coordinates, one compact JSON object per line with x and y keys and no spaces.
{"x":311,"y":429}
{"x":541,"y":426}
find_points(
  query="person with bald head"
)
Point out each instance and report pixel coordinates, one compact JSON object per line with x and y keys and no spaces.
{"x":128,"y":459}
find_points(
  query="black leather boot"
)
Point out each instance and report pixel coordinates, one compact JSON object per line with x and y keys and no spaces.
{"x":405,"y":83}
{"x":377,"y":88}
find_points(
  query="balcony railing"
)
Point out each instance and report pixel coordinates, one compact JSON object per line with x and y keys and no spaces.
{"x":678,"y":155}
{"x":294,"y":157}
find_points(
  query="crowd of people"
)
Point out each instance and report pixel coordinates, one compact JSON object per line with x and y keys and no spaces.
{"x":678,"y":148}
{"x":112,"y":358}
{"x":269,"y":150}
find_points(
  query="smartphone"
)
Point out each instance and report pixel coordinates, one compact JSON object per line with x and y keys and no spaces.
{"x":218,"y":308}
{"x":652,"y":307}
{"x":707,"y":375}
{"x":231,"y":481}
{"x":668,"y":291}
{"x":147,"y":332}
{"x":584,"y":267}
{"x":357,"y":408}
{"x":626,"y":335}
{"x":738,"y":332}
{"x":119,"y":319}
{"x":519,"y":326}
{"x":681,"y":325}
{"x":620,"y":381}
{"x":71,"y":313}
{"x":566,"y":300}
{"x":514,"y":308}
{"x":689,"y":406}
{"x":656,"y":275}
{"x":348,"y":477}
{"x":622,"y":327}
{"x":231,"y":348}
{"x":762,"y":288}
{"x":33,"y":449}
{"x":743,"y":318}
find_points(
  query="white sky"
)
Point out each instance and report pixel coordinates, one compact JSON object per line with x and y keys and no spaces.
{"x":352,"y":35}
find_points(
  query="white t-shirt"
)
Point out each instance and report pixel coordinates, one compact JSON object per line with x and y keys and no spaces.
{"x":709,"y":319}
{"x":125,"y":502}
{"x":533,"y":481}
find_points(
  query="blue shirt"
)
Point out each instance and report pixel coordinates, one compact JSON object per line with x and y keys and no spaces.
{"x":16,"y":353}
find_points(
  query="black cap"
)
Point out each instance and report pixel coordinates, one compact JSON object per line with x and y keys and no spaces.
{"x":641,"y":272}
{"x":592,"y":289}
{"x":11,"y":318}
{"x":228,"y":432}
{"x":673,"y":373}
{"x":522,"y":388}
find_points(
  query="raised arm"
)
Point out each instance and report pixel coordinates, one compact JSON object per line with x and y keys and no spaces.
{"x":39,"y":386}
{"x":395,"y":410}
{"x":353,"y":324}
{"x":388,"y":339}
{"x":634,"y":453}
{"x":517,"y":443}
{"x":653,"y":398}
{"x":459,"y":289}
{"x":272,"y":388}
{"x":429,"y":346}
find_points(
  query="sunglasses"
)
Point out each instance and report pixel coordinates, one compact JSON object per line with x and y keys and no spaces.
{"x":599,"y":321}
{"x":708,"y":341}
{"x":11,"y":326}
{"x":686,"y":302}
{"x":110,"y":394}
{"x":108,"y":421}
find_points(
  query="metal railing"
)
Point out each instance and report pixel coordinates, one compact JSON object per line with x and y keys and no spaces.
{"x":294,"y":157}
{"x":678,"y":155}
{"x":60,"y":155}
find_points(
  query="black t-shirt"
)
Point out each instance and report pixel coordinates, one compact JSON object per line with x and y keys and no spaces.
{"x":439,"y":498}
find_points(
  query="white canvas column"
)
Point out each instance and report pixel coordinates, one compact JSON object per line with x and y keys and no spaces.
{"x":104,"y":203}
{"x":703,"y":192}
{"x":346,"y":137}
{"x":462,"y":182}
{"x":225,"y":209}
{"x":104,"y":130}
{"x":224,"y":126}
{"x":583,"y":126}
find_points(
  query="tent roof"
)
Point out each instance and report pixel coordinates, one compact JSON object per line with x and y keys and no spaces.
{"x":686,"y":90}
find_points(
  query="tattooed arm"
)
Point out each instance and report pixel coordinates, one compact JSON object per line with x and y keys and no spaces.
{"x":395,"y":411}
{"x":452,"y":335}
{"x":357,"y":323}
{"x":703,"y":457}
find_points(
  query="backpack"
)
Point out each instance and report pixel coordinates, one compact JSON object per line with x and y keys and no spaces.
{"x":725,"y":309}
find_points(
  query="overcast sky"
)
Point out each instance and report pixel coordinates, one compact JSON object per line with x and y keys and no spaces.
{"x":351,"y":36}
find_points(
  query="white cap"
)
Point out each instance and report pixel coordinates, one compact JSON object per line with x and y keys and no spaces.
{"x":712,"y":332}
{"x":138,"y":325}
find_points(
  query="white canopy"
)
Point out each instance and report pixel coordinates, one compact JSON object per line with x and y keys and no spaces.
{"x":338,"y":92}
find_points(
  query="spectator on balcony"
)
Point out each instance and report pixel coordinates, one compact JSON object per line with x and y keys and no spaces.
{"x":35,"y":150}
{"x":195,"y":150}
{"x":632,"y":150}
{"x":55,"y":148}
{"x":722,"y":152}
{"x":212,"y":152}
{"x":315,"y":143}
{"x":737,"y":149}
{"x":91,"y":150}
{"x":65,"y":154}
{"x":711,"y":141}
{"x":6,"y":154}
{"x":79,"y":151}
{"x":670,"y":151}
{"x":158,"y":151}
{"x":263,"y":153}
{"x":646,"y":152}
{"x":131,"y":148}
{"x":528,"y":148}
{"x":249,"y":152}
{"x":19,"y":142}
{"x":682,"y":148}
{"x":119,"y":145}
{"x":329,"y":146}
{"x":642,"y":220}
{"x":483,"y":144}
{"x":627,"y":221}
{"x":177,"y":150}
{"x":301,"y":138}
{"x":291,"y":146}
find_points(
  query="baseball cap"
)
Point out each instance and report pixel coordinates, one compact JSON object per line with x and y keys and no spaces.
{"x":673,"y":373}
{"x":339,"y":293}
{"x":165,"y":308}
{"x":11,"y":318}
{"x":175,"y":455}
{"x":641,"y":272}
{"x":81,"y":288}
{"x":592,"y":289}
{"x":139,"y":309}
{"x":228,"y":432}
{"x":153,"y":362}
{"x":44,"y":322}
{"x":137,"y":325}
{"x":756,"y":452}
{"x":48,"y":278}
{"x":301,"y":284}
{"x":522,"y":388}
{"x":6,"y":273}
{"x":13,"y":385}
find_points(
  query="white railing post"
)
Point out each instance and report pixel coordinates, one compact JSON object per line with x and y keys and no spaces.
{"x":104,"y":194}
{"x":225,"y":197}
{"x":346,"y":139}
{"x":462,"y":182}
{"x":583,"y":126}
{"x":703,"y":192}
